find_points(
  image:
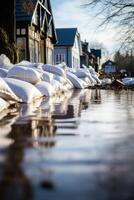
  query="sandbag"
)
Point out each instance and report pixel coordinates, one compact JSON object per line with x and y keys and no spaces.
{"x":47,"y":76}
{"x":81,"y":73}
{"x":24,"y":90}
{"x":62,"y":65}
{"x":57,"y":86}
{"x":75,"y":80}
{"x":96,"y":78}
{"x":69,"y":84}
{"x":3,"y":72}
{"x":54,"y":69}
{"x":25,"y":74}
{"x":61,"y":79}
{"x":3,"y":104}
{"x":25,"y":63}
{"x":7,"y":93}
{"x":87,"y":81}
{"x":45,"y":88}
{"x":5,"y":62}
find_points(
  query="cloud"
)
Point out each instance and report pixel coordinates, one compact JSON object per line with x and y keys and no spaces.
{"x":70,"y":13}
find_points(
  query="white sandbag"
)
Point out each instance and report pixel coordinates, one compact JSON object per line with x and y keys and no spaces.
{"x":81,"y":73}
{"x":106,"y":81}
{"x":5,"y":62}
{"x":62,"y":65}
{"x":25,"y":74}
{"x":54,"y":69}
{"x":93,"y":81}
{"x":47,"y":76}
{"x":3,"y":72}
{"x":75,"y":80}
{"x":25,"y":63}
{"x":24,"y":90}
{"x":45,"y":88}
{"x":69,"y":84}
{"x":56,"y":85}
{"x":84,"y":83}
{"x":87,"y":81}
{"x":3,"y":104}
{"x":7,"y":93}
{"x":96,"y":78}
{"x":91,"y":69}
{"x":61,"y":79}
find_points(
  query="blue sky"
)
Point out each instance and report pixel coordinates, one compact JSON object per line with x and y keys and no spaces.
{"x":69,"y":13}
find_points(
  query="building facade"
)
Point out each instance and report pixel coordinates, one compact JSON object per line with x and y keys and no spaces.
{"x":90,"y":56}
{"x":35,"y":30}
{"x":109,"y":67}
{"x":68,"y":47}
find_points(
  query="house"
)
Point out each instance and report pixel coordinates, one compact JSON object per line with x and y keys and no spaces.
{"x":90,"y":56}
{"x":87,"y":58}
{"x":35,"y":30}
{"x":109,"y":67}
{"x":97,"y":58}
{"x":68,"y":47}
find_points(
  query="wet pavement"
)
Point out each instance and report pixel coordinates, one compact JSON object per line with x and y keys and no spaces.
{"x":77,"y":145}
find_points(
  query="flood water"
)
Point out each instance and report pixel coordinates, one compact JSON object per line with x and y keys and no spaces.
{"x":76,"y":145}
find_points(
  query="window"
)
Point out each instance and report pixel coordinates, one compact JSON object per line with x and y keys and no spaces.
{"x":23,"y":31}
{"x":21,"y":43}
{"x":18,"y":31}
{"x":59,"y":58}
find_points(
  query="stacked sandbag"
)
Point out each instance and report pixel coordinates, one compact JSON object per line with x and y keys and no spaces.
{"x":25,"y":63}
{"x":5,"y":62}
{"x":78,"y":83}
{"x":63,"y":66}
{"x":47,"y":76}
{"x":7,"y":93}
{"x":85,"y":75}
{"x":23,"y":73}
{"x":24,"y":90}
{"x":106,"y":81}
{"x":3,"y":104}
{"x":94,"y":75}
{"x":69,"y":85}
{"x":56,"y":70}
{"x":59,"y":81}
{"x":3,"y":72}
{"x":56,"y":86}
{"x":62,"y":82}
{"x":45,"y":88}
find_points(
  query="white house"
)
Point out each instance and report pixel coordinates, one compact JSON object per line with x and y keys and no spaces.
{"x":68,"y":47}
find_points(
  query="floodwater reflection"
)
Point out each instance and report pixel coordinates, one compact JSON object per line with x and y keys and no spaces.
{"x":78,"y":144}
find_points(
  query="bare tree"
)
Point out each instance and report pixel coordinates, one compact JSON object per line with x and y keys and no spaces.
{"x":119,"y":13}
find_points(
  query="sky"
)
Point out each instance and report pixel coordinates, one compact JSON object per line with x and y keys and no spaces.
{"x":70,"y":13}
